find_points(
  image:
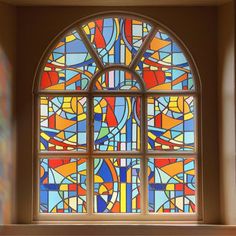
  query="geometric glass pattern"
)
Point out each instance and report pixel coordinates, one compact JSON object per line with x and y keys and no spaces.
{"x":90,"y":93}
{"x":164,"y":65}
{"x":63,"y":185}
{"x":116,"y":80}
{"x":171,"y":185}
{"x":62,"y":123}
{"x":69,"y":66}
{"x":171,"y":123}
{"x":116,"y":123}
{"x":116,"y":40}
{"x":116,"y":185}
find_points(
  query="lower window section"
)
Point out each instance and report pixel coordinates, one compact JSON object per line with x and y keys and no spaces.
{"x":171,"y":185}
{"x":117,"y":185}
{"x":62,"y":185}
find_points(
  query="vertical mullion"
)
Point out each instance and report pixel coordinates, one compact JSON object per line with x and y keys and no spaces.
{"x":184,"y":183}
{"x":77,"y":184}
{"x":145,"y":167}
{"x":77,"y":157}
{"x":171,"y":62}
{"x":183,"y":97}
{"x":142,"y":160}
{"x":89,"y":157}
{"x":198,"y":158}
{"x":36,"y":158}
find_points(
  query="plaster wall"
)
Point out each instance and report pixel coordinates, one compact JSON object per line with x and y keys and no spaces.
{"x":7,"y":121}
{"x":226,"y":91}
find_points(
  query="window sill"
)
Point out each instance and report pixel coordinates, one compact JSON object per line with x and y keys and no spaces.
{"x":135,"y":229}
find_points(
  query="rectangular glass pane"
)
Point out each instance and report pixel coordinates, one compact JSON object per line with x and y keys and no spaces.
{"x":63,"y":123}
{"x":171,"y":185}
{"x":117,"y":123}
{"x":116,"y":185}
{"x":171,"y":123}
{"x":62,"y":185}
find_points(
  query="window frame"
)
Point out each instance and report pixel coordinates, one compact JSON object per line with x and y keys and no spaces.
{"x":143,"y":154}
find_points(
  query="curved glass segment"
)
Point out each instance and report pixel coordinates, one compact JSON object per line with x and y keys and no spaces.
{"x":164,"y":65}
{"x":116,"y":40}
{"x":69,"y":66}
{"x":116,"y":80}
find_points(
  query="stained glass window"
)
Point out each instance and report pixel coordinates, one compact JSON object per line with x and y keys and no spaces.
{"x":117,"y":126}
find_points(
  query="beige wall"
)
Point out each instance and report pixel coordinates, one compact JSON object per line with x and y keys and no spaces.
{"x":38,"y":26}
{"x":196,"y":26}
{"x":7,"y":123}
{"x":226,"y":89}
{"x":8,"y":32}
{"x":199,"y":28}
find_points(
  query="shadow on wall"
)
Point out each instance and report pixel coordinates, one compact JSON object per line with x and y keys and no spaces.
{"x":5,"y":138}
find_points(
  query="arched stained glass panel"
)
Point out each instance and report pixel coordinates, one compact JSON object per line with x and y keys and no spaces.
{"x":69,"y":66}
{"x":117,"y":125}
{"x":164,"y":65}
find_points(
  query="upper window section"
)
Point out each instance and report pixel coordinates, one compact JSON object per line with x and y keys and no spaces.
{"x":116,"y":40}
{"x":164,"y":65}
{"x":69,"y":66}
{"x":116,"y":53}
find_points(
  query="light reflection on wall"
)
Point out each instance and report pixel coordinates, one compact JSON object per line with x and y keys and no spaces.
{"x":5,"y":139}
